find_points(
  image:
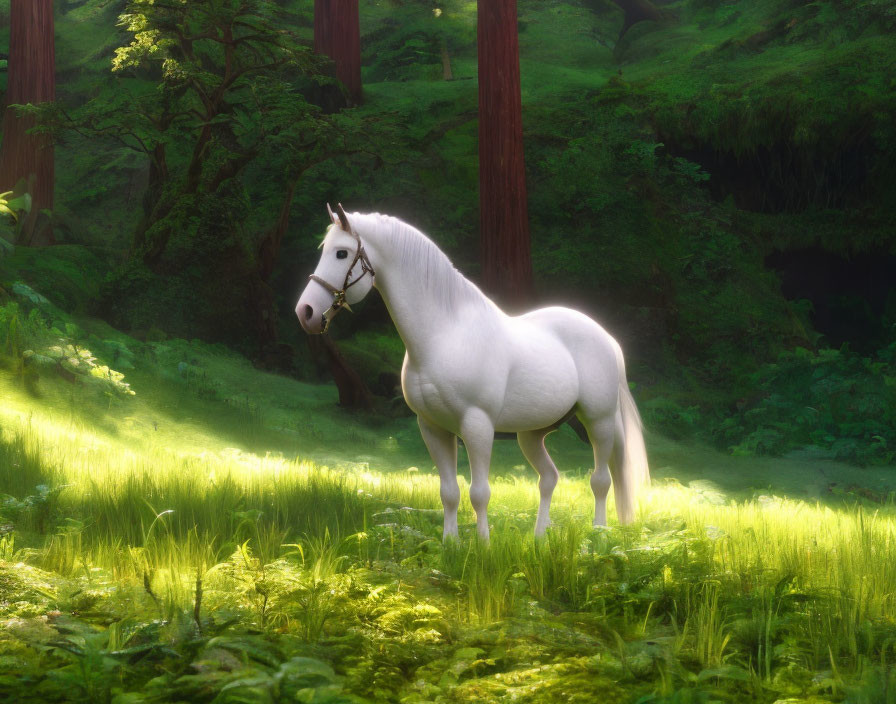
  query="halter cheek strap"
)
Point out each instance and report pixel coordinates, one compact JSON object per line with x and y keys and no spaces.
{"x":339,"y":301}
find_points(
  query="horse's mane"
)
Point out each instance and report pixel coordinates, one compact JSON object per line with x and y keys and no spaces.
{"x":418,"y":254}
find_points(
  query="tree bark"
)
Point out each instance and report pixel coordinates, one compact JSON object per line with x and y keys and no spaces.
{"x":269,"y":247}
{"x":353,"y":392}
{"x":337,"y":34}
{"x":32,"y":79}
{"x":447,"y":74}
{"x":503,"y":215}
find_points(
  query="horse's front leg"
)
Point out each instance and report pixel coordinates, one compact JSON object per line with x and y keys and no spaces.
{"x":478,"y":433}
{"x":442,"y":446}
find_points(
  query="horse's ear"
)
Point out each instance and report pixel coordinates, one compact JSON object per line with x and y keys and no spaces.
{"x":343,"y":219}
{"x":333,"y":217}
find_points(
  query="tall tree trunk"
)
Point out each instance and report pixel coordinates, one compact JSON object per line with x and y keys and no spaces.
{"x":353,"y":392}
{"x":447,"y":74}
{"x":269,"y":247}
{"x":157,"y":178}
{"x":503,"y":214}
{"x":337,"y":34}
{"x":32,"y":79}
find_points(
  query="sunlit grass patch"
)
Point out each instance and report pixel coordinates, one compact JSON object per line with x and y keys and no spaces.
{"x":150,"y":544}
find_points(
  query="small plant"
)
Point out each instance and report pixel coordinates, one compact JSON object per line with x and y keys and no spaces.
{"x":689,"y":170}
{"x":14,"y":208}
{"x":7,"y":543}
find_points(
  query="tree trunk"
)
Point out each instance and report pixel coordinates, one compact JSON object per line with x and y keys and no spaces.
{"x":156,"y":180}
{"x":447,"y":74}
{"x":353,"y":392}
{"x":269,"y":247}
{"x":503,"y":215}
{"x":337,"y":34}
{"x":32,"y":79}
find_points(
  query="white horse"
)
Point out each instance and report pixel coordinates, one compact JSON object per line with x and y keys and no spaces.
{"x":471,"y":370}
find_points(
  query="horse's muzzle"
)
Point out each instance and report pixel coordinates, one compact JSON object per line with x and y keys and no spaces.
{"x":311,"y":323}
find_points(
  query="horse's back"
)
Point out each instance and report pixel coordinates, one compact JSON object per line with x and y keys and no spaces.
{"x":575,"y":329}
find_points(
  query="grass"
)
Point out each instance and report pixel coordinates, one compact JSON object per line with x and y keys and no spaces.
{"x":146,"y":560}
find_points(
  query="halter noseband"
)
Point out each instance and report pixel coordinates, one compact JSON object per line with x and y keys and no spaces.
{"x":339,"y":301}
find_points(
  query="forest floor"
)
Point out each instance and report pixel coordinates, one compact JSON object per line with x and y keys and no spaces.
{"x":180,"y":526}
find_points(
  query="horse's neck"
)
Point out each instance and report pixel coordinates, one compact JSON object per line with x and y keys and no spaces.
{"x":411,"y":311}
{"x":418,"y":308}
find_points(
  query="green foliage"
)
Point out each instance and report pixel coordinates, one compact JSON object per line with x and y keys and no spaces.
{"x":204,"y":91}
{"x":14,"y":207}
{"x":67,"y":275}
{"x":623,"y":228}
{"x":43,"y":342}
{"x":689,"y":170}
{"x":652,"y":246}
{"x":830,"y":399}
{"x":669,"y":417}
{"x":413,"y":37}
{"x":701,"y":599}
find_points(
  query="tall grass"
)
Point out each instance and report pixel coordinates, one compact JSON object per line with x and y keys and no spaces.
{"x":751,"y":585}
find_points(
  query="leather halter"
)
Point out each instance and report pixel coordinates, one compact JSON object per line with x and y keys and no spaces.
{"x":339,"y":301}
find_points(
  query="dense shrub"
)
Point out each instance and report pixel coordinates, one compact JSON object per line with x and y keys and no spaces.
{"x":830,"y":399}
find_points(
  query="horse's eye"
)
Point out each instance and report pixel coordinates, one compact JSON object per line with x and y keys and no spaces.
{"x":342,"y":254}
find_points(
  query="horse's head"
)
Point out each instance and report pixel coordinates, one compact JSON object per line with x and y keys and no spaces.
{"x":341,"y":277}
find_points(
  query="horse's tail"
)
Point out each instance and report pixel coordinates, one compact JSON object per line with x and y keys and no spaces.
{"x":635,"y":471}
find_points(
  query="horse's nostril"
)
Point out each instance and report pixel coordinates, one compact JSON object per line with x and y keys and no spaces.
{"x":308,"y":312}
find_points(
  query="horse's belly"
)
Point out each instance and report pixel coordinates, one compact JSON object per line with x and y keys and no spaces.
{"x":539,"y":392}
{"x":528,"y":382}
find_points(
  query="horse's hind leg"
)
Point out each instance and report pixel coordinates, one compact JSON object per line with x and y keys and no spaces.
{"x":602,"y":434}
{"x":623,"y":489}
{"x":607,"y":435}
{"x":532,"y":445}
{"x":442,"y":446}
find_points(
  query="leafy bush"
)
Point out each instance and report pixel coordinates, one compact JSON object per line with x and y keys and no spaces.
{"x":829,"y":399}
{"x":31,"y":346}
{"x":670,"y":418}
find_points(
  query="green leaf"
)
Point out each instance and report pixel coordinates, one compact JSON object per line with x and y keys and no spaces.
{"x":22,"y":203}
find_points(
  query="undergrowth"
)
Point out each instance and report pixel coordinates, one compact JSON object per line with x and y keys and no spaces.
{"x":160,"y":576}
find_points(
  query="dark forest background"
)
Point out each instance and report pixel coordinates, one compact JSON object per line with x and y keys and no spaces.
{"x":715,"y":184}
